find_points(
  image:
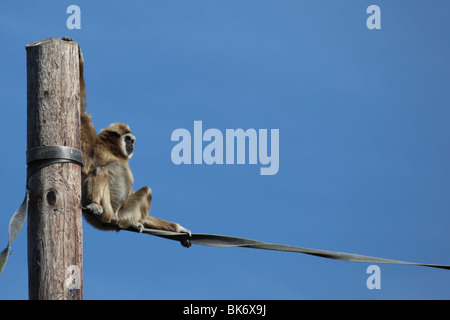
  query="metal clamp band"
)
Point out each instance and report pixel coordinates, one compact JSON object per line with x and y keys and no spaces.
{"x":41,"y":157}
{"x":69,"y":154}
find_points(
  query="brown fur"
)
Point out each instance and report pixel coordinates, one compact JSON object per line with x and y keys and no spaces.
{"x":107,"y":179}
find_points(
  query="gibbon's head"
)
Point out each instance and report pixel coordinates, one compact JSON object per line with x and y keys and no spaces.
{"x":120,"y":139}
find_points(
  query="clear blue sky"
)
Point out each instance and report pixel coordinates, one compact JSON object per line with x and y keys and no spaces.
{"x":363,"y":117}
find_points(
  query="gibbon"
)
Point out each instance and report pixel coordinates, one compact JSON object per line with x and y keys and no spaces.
{"x":107,"y":181}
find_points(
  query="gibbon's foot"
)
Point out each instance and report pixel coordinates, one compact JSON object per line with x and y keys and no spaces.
{"x":185,"y":243}
{"x":95,"y":209}
{"x":181,"y":229}
{"x":138,"y":226}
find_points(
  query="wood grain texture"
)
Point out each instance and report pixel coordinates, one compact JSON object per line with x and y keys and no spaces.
{"x":55,"y":252}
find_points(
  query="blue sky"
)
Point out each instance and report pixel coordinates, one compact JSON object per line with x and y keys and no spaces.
{"x":363,"y":117}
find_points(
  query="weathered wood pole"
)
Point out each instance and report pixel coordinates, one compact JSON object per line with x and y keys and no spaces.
{"x":55,"y":235}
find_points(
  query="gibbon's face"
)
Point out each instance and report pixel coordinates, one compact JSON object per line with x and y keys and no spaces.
{"x":119,"y":135}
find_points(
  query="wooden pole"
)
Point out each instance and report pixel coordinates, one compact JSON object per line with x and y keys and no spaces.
{"x":55,"y":245}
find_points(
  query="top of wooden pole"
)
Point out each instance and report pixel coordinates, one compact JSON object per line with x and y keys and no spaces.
{"x":51,"y":39}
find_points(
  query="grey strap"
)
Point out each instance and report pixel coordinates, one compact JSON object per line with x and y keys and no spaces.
{"x":37,"y":158}
{"x":15,"y":225}
{"x":226,"y":241}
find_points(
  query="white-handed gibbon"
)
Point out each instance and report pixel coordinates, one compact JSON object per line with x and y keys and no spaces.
{"x":107,"y":191}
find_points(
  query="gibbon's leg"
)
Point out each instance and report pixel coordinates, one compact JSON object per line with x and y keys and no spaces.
{"x":97,"y":185}
{"x":135,"y":209}
{"x":135,"y":212}
{"x":155,"y":223}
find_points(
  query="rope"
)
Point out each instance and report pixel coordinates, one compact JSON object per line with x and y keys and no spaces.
{"x":227,"y":241}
